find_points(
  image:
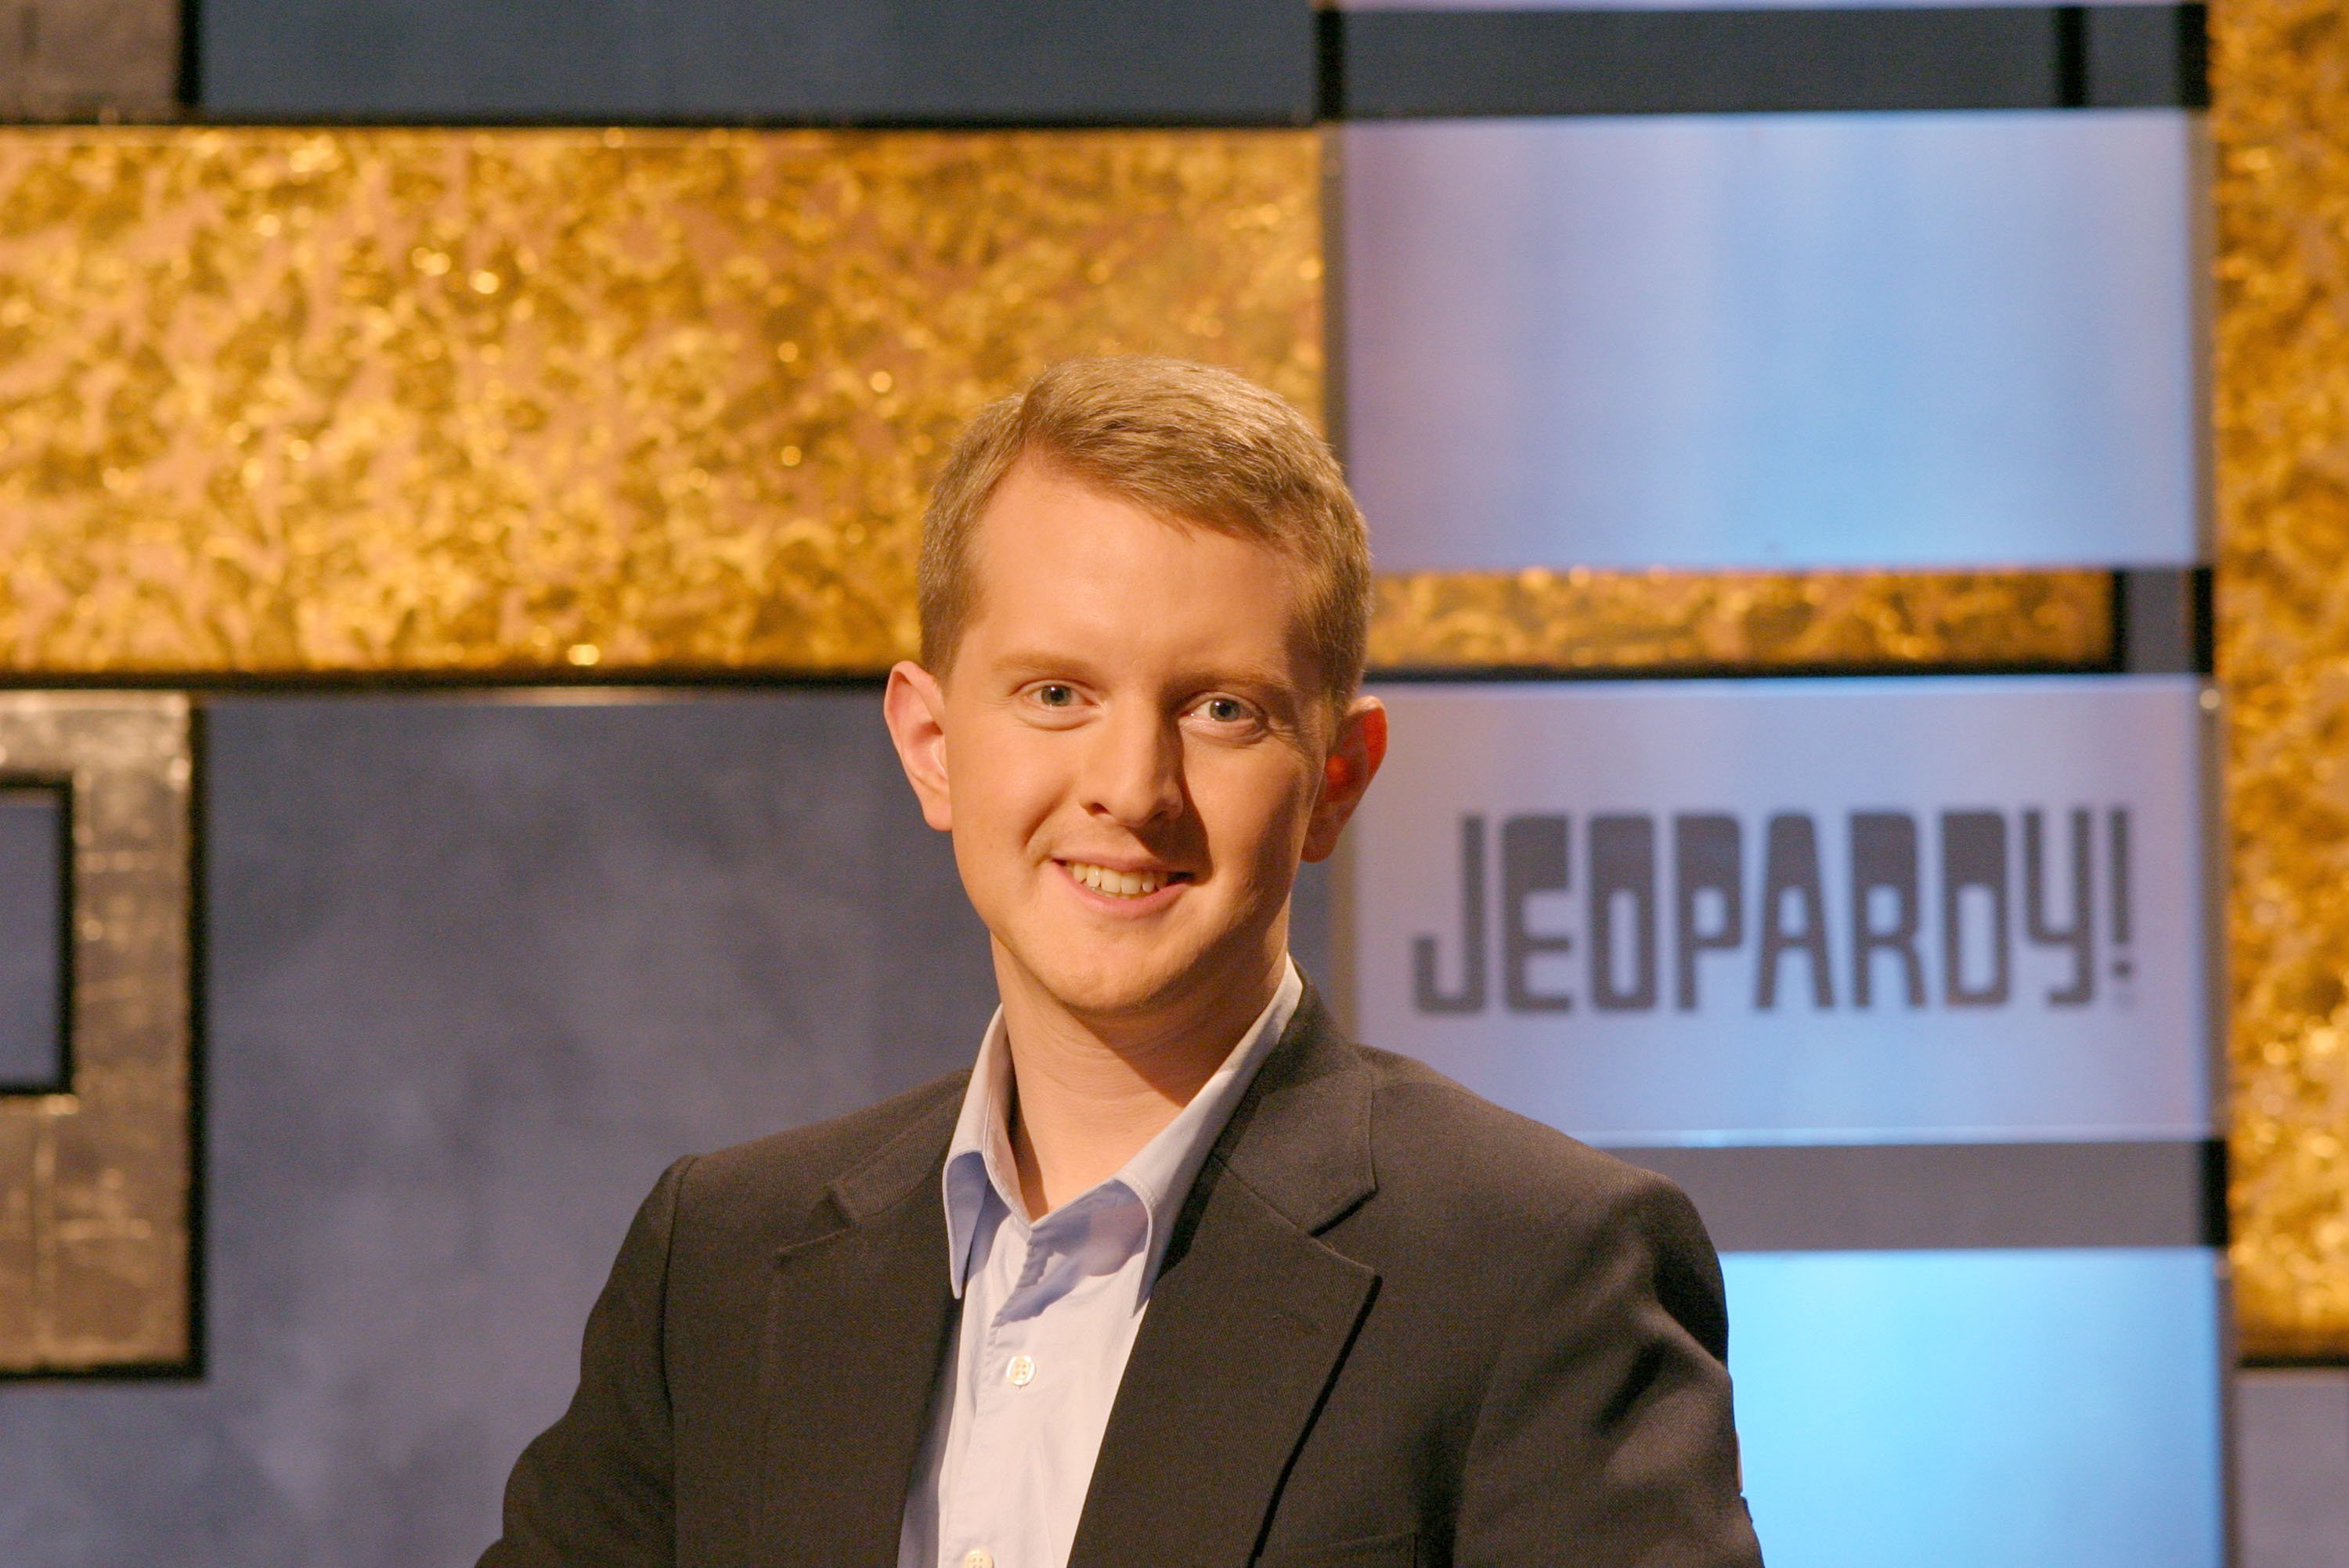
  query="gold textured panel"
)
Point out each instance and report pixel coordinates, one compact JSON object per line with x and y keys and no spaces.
{"x":94,"y":1185}
{"x":288,"y":402}
{"x":1583,"y":619}
{"x":2281,"y":121}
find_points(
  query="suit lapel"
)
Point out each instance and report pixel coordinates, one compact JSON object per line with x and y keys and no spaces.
{"x":860,"y":1315}
{"x":1249,"y":1321}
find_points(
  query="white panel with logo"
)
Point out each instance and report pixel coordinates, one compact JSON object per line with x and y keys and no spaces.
{"x":1834,"y":911}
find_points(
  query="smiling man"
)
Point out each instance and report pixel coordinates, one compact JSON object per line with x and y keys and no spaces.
{"x":1175,"y":1274}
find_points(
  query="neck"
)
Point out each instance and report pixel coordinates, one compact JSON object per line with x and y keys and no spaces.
{"x":1089,"y":1092}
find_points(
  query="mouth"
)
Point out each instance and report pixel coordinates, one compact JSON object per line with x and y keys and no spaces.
{"x":1111,"y":883}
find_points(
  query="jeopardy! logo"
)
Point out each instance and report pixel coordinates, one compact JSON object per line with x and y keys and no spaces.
{"x":1630,"y":912}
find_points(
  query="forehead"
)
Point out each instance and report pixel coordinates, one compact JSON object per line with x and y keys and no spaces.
{"x":1060,"y":564}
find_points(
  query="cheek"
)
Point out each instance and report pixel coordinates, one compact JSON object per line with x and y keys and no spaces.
{"x":1006,"y":780}
{"x":1256,"y":814}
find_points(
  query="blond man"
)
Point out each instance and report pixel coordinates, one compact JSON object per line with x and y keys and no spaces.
{"x":1177,"y":1275}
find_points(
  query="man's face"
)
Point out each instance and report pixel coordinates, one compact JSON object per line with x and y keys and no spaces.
{"x":1131,"y":749}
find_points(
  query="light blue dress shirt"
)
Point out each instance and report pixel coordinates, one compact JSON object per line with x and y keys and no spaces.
{"x":1050,"y":1309}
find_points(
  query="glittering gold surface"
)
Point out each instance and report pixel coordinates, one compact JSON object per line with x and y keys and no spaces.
{"x":1654,"y":620}
{"x":2281,"y":121}
{"x":289,"y":401}
{"x":94,"y":1243}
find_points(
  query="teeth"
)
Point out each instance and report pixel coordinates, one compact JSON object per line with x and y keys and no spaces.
{"x":1117,"y":883}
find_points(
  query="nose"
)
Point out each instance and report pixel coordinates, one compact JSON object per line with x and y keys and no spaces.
{"x":1133,"y":770}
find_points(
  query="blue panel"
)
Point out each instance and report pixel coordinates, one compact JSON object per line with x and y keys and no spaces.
{"x":32,"y":930}
{"x":1829,"y":340}
{"x":1980,"y":1409}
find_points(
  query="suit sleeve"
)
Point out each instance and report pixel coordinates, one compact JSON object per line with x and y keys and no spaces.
{"x":596,"y":1487}
{"x":1605,"y":1436}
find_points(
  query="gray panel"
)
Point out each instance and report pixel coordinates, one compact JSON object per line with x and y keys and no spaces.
{"x":1795,"y":340}
{"x":1898,"y":1197}
{"x":1806,"y":910}
{"x":2165,"y":621}
{"x":2291,"y":1437}
{"x":854,"y":61}
{"x":33,"y":894}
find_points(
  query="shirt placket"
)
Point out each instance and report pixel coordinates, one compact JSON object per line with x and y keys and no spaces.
{"x":1003,"y":1424}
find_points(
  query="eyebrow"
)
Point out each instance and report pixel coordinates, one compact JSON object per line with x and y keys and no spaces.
{"x":1035,"y":664}
{"x":1027,"y":664}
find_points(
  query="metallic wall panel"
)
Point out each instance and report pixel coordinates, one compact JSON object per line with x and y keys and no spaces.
{"x":1658,"y":622}
{"x":1952,"y":1409}
{"x":956,"y":61}
{"x":1776,"y":341}
{"x":95,"y":1186}
{"x":2282,"y":123}
{"x":1581,"y":973}
{"x":34,"y":900}
{"x":298,"y":402}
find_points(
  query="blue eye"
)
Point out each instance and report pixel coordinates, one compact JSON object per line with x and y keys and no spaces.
{"x":1225,"y":710}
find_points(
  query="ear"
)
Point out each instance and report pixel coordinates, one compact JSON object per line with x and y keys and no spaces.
{"x":1355,"y":753}
{"x":915,"y":707}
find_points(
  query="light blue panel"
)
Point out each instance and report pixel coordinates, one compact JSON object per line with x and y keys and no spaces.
{"x":1980,"y":1409}
{"x":1774,"y":340}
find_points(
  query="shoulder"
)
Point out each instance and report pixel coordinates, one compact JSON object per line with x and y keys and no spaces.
{"x":1434,"y":1136}
{"x":770,"y":1183}
{"x":1461,"y":1179}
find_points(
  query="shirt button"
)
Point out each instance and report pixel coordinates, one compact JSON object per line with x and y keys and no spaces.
{"x":979,"y":1557}
{"x":1020,"y":1373}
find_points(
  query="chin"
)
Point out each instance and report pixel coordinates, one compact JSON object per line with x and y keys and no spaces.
{"x":1111,"y":987}
{"x":1110,"y":979}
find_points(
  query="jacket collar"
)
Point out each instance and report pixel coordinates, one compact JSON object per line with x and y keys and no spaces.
{"x":858,"y":1316}
{"x":1250,"y":1321}
{"x":1301,"y":1135}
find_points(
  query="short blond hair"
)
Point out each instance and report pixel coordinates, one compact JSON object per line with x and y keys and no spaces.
{"x":1190,"y":443}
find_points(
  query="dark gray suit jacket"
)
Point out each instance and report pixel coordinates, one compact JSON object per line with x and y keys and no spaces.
{"x":1396,"y":1325}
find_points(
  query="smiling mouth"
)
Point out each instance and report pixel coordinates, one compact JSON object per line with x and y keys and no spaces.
{"x":1121,"y":884}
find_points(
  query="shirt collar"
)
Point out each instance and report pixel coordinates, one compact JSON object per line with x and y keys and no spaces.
{"x":979,"y":1159}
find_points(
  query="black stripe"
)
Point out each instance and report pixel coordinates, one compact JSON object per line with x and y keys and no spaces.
{"x":830,"y":62}
{"x":2147,"y":56}
{"x":1444,"y":63}
{"x":1881,"y":1197}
